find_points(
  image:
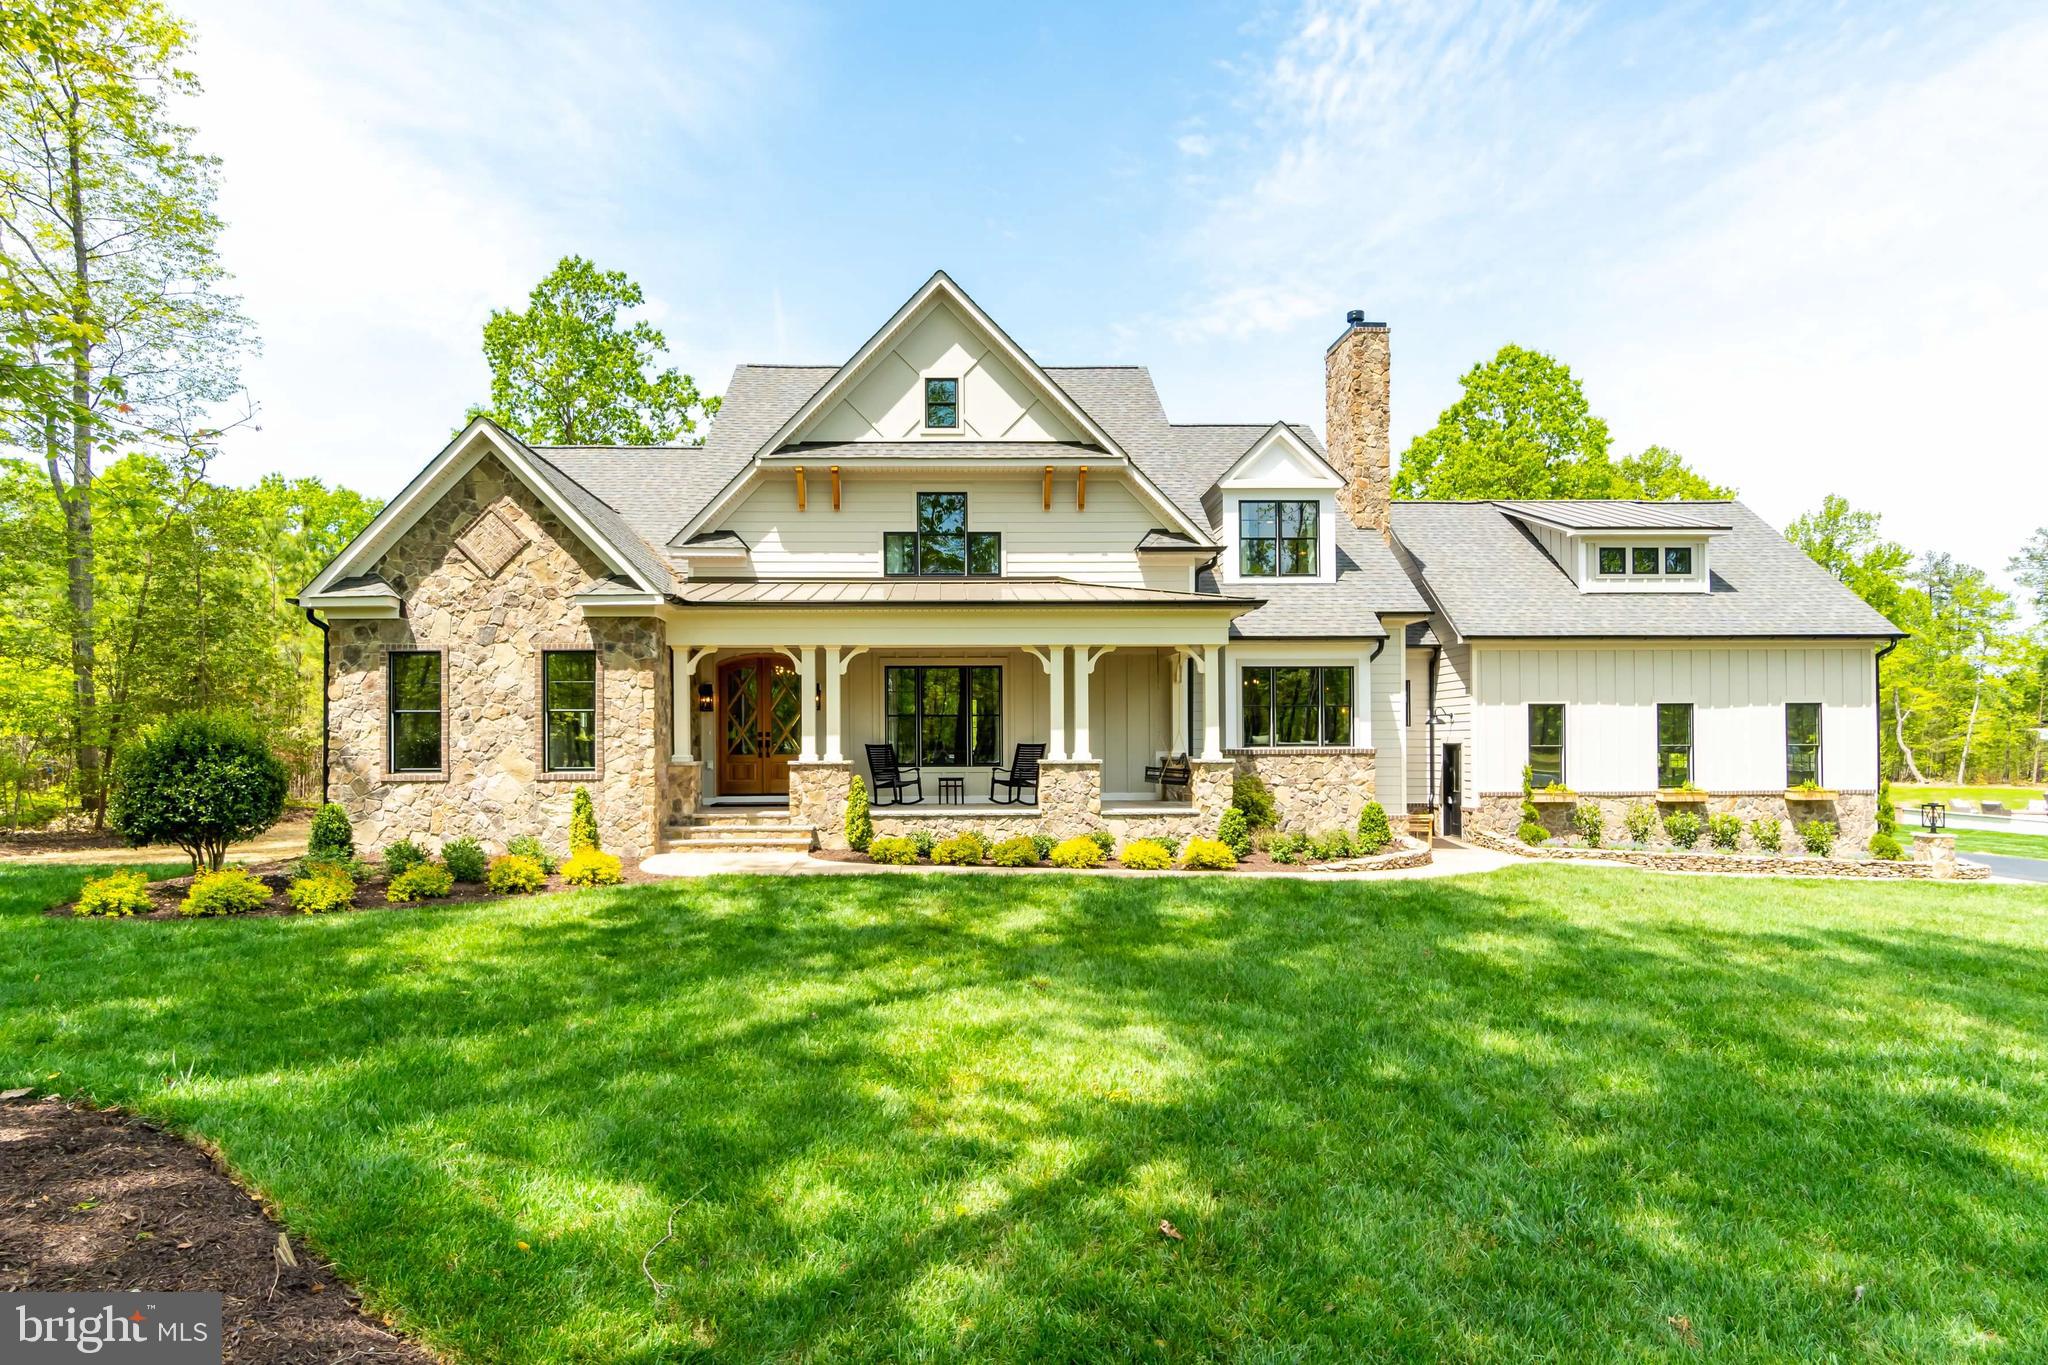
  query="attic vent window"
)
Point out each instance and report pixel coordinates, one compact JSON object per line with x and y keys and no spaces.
{"x":942,"y":404}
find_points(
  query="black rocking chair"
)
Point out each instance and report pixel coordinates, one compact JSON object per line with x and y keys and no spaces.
{"x":1021,"y":774}
{"x":1174,"y":772}
{"x":890,"y":776}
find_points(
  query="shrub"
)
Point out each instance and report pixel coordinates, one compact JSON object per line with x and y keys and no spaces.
{"x":1146,"y":855}
{"x":593,"y":867}
{"x":1235,"y":832}
{"x":1333,"y":846}
{"x":1683,"y":828}
{"x":1586,"y":820}
{"x":1724,"y":831}
{"x":402,"y":857}
{"x":1015,"y":851}
{"x":230,"y":891}
{"x":1250,"y":794}
{"x":1818,"y":837}
{"x":1532,"y":833}
{"x":860,"y":825}
{"x":1171,"y":843}
{"x":1104,"y":840}
{"x":582,"y":824}
{"x":1887,"y":813}
{"x":1767,"y":835}
{"x":962,"y":850}
{"x":1374,"y":833}
{"x":115,"y":895}
{"x":893,"y":849}
{"x":327,"y":865}
{"x":923,"y":840}
{"x":1885,"y":848}
{"x":1285,"y":848}
{"x":322,"y":894}
{"x":464,"y":859}
{"x":330,"y":835}
{"x":1041,"y":844}
{"x":1208,"y":855}
{"x":199,"y":781}
{"x":526,"y":846}
{"x":1639,"y":819}
{"x":514,"y":874}
{"x":1531,"y":814}
{"x":1080,"y":851}
{"x":422,"y":881}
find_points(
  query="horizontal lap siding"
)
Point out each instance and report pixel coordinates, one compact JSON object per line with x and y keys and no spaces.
{"x":1454,"y":698}
{"x":1417,"y":731}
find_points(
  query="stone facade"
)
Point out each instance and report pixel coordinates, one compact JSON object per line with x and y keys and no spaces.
{"x":1069,"y":803}
{"x":491,"y":630}
{"x":817,"y":798}
{"x":685,"y":787}
{"x":1357,"y":423}
{"x":1853,"y":814}
{"x":1313,"y":789}
{"x":1697,"y":860}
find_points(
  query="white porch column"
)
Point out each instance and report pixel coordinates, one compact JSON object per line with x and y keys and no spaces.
{"x":807,"y":709}
{"x":1210,"y":662}
{"x":683,"y":706}
{"x":1177,"y":693}
{"x":837,"y":657}
{"x":1054,"y":661}
{"x":1085,"y":660}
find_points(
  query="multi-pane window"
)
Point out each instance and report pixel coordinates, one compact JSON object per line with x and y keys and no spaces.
{"x":1613,"y":559}
{"x":1277,"y":538}
{"x":1546,"y":743}
{"x":569,"y":703}
{"x":1296,"y":706}
{"x":1678,"y":560}
{"x":942,"y":404}
{"x":942,"y":546}
{"x":1802,"y":743}
{"x":1674,"y":743}
{"x":945,"y":716}
{"x":1643,"y":559}
{"x":413,"y":692}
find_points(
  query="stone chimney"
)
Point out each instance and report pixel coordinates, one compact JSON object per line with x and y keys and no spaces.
{"x":1356,"y":429}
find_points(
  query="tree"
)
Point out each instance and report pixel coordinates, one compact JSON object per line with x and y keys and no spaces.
{"x":2029,"y":569}
{"x":565,"y":373}
{"x":1846,"y":543}
{"x":201,"y":782}
{"x":116,"y":327}
{"x":1523,"y":429}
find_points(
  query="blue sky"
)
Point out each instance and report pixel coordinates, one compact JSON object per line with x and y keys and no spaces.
{"x":1798,"y":243}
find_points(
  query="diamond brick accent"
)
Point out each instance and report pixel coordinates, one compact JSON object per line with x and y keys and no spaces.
{"x":491,"y":542}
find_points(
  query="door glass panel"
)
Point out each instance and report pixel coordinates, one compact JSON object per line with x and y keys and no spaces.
{"x":742,"y":712}
{"x":786,"y":692}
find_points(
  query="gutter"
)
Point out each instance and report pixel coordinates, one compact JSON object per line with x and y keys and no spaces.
{"x":325,"y":703}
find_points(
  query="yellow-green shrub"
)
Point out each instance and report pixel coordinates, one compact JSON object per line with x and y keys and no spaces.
{"x":321,"y":894}
{"x":230,"y":891}
{"x":426,"y":881}
{"x":1016,"y":851}
{"x":114,"y":895}
{"x":513,"y":874}
{"x":962,"y":850}
{"x":1146,"y":855}
{"x":893,"y":849}
{"x":592,"y":867}
{"x":1207,"y":855}
{"x":1080,"y":851}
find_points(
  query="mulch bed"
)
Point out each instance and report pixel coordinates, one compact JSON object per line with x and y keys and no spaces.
{"x":30,"y":841}
{"x":96,"y":1201}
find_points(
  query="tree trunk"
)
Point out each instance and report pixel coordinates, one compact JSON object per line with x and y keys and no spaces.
{"x":80,"y":559}
{"x":1970,"y":730}
{"x":1899,"y":729}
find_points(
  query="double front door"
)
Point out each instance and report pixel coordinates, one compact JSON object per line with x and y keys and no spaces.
{"x":760,"y":714}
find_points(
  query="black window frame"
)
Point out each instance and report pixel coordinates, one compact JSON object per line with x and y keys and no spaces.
{"x":1620,"y":553}
{"x":1262,"y":679}
{"x":392,"y":712}
{"x":1818,"y":744}
{"x":1667,"y":748}
{"x":1539,"y":780}
{"x":1635,"y":559}
{"x":930,"y":402}
{"x":1280,"y":542}
{"x":983,"y":548}
{"x":1672,"y":550}
{"x":973,"y":724}
{"x":548,"y":709}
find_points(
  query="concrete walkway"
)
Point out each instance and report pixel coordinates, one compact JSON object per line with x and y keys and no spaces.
{"x":1450,"y":860}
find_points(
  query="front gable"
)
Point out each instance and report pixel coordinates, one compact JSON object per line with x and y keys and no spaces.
{"x":1280,"y":459}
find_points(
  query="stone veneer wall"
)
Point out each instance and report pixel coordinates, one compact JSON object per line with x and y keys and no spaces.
{"x":1069,"y":803}
{"x":1313,"y":789}
{"x":1853,"y":814}
{"x":684,"y":789}
{"x":1356,"y":420}
{"x":1700,"y":860}
{"x":491,"y":629}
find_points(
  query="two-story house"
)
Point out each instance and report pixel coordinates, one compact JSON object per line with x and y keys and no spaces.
{"x":944,"y":547}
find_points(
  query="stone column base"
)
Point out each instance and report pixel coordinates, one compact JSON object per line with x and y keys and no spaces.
{"x":817,"y":797}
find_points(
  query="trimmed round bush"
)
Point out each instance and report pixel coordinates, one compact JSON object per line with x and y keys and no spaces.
{"x":330,"y":835}
{"x":1724,"y":831}
{"x":1016,"y":851}
{"x":1374,"y":830}
{"x":1234,"y":831}
{"x":1818,"y":837}
{"x":1885,"y":848}
{"x":1208,"y":855}
{"x":115,"y":895}
{"x":322,"y":894}
{"x":582,"y":823}
{"x":230,"y":891}
{"x":593,"y":867}
{"x":1250,"y":794}
{"x":1078,"y":852}
{"x":464,"y":859}
{"x":1146,"y":855}
{"x":200,"y":781}
{"x":526,"y":846}
{"x":962,"y":850}
{"x":1042,"y":844}
{"x":423,"y":881}
{"x":1531,"y":833}
{"x":402,"y":857}
{"x":923,"y":840}
{"x":1639,"y":820}
{"x":514,"y":874}
{"x":1767,"y":835}
{"x":1586,"y":820}
{"x":893,"y":849}
{"x":860,"y":824}
{"x":1683,"y":828}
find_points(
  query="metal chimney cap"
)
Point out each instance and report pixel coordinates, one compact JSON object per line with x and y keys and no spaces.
{"x":1356,"y":317}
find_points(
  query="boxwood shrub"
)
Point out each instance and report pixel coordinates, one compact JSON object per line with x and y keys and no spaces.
{"x":321,"y":894}
{"x":199,"y":781}
{"x":593,"y":867}
{"x":1146,"y":855}
{"x":514,"y":874}
{"x":464,"y":859}
{"x":230,"y":891}
{"x":1208,"y":855}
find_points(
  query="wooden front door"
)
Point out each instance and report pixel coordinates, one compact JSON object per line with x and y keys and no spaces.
{"x":760,"y":706}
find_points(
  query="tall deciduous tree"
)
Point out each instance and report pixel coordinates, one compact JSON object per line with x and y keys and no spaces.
{"x":1846,"y":542}
{"x":117,"y":327}
{"x":565,"y":372}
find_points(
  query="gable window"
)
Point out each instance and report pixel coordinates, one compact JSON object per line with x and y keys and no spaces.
{"x":942,"y":404}
{"x":1296,"y":706}
{"x":1643,"y":559}
{"x":1678,"y":560}
{"x":1277,"y":538}
{"x":1802,"y":743}
{"x":413,"y":696}
{"x":942,"y":546}
{"x":947,"y":717}
{"x":1674,"y":744}
{"x":1546,"y":743}
{"x":569,"y":704}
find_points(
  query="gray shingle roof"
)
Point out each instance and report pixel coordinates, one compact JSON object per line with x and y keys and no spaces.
{"x":647,"y":559}
{"x":1369,"y":581}
{"x":1493,"y":580}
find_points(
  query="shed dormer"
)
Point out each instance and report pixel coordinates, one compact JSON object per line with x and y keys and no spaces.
{"x":1277,"y":508}
{"x":1627,"y":546}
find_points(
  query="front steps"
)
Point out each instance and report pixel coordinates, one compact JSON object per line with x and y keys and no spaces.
{"x":730,"y":829}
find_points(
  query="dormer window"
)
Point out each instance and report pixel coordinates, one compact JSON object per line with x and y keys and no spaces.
{"x":1644,"y":561}
{"x":1277,"y":538}
{"x":1678,"y":560}
{"x":941,"y":404}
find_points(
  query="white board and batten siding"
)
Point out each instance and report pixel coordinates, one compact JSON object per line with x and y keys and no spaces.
{"x":1611,"y":693}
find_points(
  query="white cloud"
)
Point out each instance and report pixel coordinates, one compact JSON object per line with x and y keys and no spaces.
{"x":1194,"y":144}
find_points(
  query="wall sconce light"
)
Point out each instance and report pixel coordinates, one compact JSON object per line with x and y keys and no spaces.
{"x":704,"y":697}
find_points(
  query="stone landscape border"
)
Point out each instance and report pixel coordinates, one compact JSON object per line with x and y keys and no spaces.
{"x":1780,"y":865}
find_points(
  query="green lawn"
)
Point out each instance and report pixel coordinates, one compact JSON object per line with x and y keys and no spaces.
{"x":1907,"y":797}
{"x":2000,"y":841}
{"x":1537,"y":1114}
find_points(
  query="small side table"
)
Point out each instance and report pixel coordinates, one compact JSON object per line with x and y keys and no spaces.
{"x":952,"y":791}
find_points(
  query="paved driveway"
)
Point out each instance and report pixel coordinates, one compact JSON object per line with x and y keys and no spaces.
{"x":2005,"y":865}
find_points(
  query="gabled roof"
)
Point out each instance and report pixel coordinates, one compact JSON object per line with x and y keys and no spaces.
{"x":1492,"y":579}
{"x":1369,"y":582}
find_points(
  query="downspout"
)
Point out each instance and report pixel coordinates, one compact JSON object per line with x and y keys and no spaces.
{"x":1436,"y":654}
{"x":1877,"y":696}
{"x":325,"y":703}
